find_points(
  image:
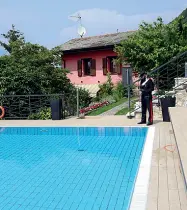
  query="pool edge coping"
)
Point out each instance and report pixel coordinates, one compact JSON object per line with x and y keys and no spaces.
{"x":140,"y":193}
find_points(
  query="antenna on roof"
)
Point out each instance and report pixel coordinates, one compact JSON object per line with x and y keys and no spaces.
{"x":81,"y":28}
{"x":77,"y":17}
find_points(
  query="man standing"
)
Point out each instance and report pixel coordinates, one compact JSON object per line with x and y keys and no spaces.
{"x":146,"y":88}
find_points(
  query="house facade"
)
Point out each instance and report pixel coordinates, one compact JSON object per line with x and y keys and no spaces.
{"x":90,"y":59}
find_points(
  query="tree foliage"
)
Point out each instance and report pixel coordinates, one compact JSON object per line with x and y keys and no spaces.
{"x":33,"y":69}
{"x":154,"y":44}
{"x":11,"y":36}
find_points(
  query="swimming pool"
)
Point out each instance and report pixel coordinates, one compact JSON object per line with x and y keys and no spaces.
{"x":69,"y":167}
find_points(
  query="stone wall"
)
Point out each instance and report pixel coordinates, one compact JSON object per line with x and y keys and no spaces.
{"x":179,"y":83}
{"x":181,"y":92}
{"x":181,"y":98}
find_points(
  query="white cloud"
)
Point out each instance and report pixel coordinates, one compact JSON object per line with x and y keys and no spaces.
{"x":100,"y":21}
{"x":45,"y":28}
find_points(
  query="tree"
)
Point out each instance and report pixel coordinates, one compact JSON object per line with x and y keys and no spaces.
{"x":154,"y":44}
{"x":31,"y":68}
{"x":11,"y":36}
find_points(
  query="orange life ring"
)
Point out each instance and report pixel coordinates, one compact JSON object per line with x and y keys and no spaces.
{"x":3,"y":112}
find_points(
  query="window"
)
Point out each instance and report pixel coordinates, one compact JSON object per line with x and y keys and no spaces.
{"x":110,"y":65}
{"x":86,"y":67}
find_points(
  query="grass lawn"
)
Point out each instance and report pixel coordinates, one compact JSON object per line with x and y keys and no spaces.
{"x":124,"y":111}
{"x":106,"y":108}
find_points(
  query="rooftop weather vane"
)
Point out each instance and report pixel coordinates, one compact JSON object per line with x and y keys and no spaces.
{"x":81,"y":29}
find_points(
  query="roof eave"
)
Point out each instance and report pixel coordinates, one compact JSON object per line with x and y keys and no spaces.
{"x":111,"y":47}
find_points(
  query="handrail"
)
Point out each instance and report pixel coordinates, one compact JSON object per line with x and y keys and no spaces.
{"x":165,"y":76}
{"x":165,"y":64}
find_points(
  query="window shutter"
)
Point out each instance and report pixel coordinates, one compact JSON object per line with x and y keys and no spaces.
{"x":93,"y":67}
{"x":79,"y":68}
{"x":118,"y":68}
{"x":63,"y":64}
{"x":104,"y":66}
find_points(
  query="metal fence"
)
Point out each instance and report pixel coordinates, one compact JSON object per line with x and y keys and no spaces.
{"x":166,"y":74}
{"x":23,"y":106}
{"x":166,"y":77}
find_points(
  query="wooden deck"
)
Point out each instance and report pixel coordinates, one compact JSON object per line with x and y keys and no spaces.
{"x":179,"y":118}
{"x":167,"y":190}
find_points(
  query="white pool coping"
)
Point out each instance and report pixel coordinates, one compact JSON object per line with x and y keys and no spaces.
{"x":140,"y":194}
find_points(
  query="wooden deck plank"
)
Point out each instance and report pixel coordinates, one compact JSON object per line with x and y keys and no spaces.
{"x":152,"y":200}
{"x":183,"y":199}
{"x":153,"y":190}
{"x":171,"y":171}
{"x":178,"y":116}
{"x":166,"y":188}
{"x":162,"y":152}
{"x":174,"y":200}
{"x":163,"y":193}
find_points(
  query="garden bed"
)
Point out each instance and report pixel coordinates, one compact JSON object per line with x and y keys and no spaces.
{"x":101,"y":109}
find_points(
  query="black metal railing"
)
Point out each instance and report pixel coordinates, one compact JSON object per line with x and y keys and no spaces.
{"x":166,"y":76}
{"x":23,"y":106}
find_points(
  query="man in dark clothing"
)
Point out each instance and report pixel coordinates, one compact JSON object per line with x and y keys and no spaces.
{"x":146,"y":88}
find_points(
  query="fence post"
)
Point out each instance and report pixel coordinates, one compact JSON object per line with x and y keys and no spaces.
{"x":30,"y":104}
{"x":63,"y":111}
{"x":77,"y":102}
{"x":129,"y":92}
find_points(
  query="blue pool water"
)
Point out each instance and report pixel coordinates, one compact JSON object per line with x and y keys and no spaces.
{"x":69,"y":168}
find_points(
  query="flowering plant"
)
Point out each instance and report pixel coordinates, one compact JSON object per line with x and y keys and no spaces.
{"x":93,"y":107}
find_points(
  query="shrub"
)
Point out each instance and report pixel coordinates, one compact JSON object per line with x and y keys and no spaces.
{"x":119,"y":91}
{"x":43,"y":114}
{"x":106,"y":88}
{"x":84,"y":97}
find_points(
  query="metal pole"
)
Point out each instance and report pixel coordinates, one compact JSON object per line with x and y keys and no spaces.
{"x":129,"y":100}
{"x":29,"y":104}
{"x":77,"y":102}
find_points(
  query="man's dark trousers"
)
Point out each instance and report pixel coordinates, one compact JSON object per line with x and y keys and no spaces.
{"x":147,"y":104}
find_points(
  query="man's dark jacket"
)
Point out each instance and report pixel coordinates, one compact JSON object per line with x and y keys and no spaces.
{"x":147,"y":88}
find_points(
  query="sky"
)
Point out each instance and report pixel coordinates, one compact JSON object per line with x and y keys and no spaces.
{"x":48,"y":22}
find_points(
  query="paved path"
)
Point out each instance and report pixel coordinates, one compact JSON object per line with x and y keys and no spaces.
{"x":114,"y":110}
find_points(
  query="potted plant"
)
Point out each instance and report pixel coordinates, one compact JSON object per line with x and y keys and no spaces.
{"x":56,"y":108}
{"x":167,"y":100}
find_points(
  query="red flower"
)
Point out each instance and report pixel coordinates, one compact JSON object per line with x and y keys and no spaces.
{"x":95,"y":106}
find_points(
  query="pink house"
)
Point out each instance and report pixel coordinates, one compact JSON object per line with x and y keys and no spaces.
{"x":89,"y":59}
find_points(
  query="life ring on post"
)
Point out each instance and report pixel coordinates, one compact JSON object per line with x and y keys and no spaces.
{"x":2,"y":112}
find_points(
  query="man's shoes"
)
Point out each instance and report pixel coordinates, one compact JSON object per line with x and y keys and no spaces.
{"x":142,"y":122}
{"x":149,"y":123}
